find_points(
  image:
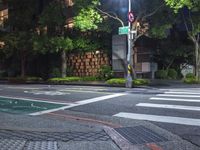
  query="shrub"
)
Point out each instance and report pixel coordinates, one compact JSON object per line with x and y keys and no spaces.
{"x":71,"y":79}
{"x":64,"y":80}
{"x":191,"y":81}
{"x":17,"y":80}
{"x":33,"y":79}
{"x":116,"y":81}
{"x":190,"y":75}
{"x":105,"y":73}
{"x":3,"y":73}
{"x":122,"y":81}
{"x":55,"y":73}
{"x":141,"y":82}
{"x":89,"y":79}
{"x":24,"y":79}
{"x":172,"y":74}
{"x":161,"y":74}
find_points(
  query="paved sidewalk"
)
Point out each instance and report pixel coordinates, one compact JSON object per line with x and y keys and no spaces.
{"x":84,"y":132}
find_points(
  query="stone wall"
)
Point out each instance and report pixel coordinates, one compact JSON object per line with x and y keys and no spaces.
{"x":87,"y":64}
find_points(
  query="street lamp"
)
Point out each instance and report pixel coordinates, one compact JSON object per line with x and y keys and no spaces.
{"x":129,"y":77}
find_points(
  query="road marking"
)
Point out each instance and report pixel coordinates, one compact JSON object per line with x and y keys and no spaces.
{"x":158,"y":118}
{"x":80,"y":103}
{"x":49,"y":93}
{"x":79,"y":91}
{"x":183,"y":89}
{"x":34,"y":100}
{"x":174,"y":99}
{"x":169,"y":95}
{"x":23,"y":88}
{"x":180,"y":107}
{"x":184,"y":92}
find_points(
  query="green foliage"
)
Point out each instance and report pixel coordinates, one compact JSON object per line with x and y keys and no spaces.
{"x":116,"y":81}
{"x":3,"y":73}
{"x":55,"y":73}
{"x":159,"y":31}
{"x":24,"y":79}
{"x":191,"y":81}
{"x":89,"y":78}
{"x":85,"y":44}
{"x":64,"y":80}
{"x":71,"y":79}
{"x":178,"y":4}
{"x":105,"y":73}
{"x":45,"y":44}
{"x":190,"y":75}
{"x":61,"y":43}
{"x":53,"y":14}
{"x":161,"y":74}
{"x":122,"y":81}
{"x":41,"y":44}
{"x":22,"y":14}
{"x":172,"y":74}
{"x":87,"y":19}
{"x":139,"y":82}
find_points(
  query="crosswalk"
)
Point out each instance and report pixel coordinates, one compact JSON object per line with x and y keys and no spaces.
{"x":187,"y":100}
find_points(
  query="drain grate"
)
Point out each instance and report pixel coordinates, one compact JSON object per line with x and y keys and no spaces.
{"x":54,"y":136}
{"x":140,"y":135}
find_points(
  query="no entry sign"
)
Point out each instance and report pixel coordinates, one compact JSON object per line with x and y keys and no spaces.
{"x":131,"y":17}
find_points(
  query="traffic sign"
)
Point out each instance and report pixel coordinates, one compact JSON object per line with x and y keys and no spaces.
{"x":123,"y":30}
{"x":131,"y":17}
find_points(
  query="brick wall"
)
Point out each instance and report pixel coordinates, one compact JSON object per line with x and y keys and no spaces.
{"x":87,"y":64}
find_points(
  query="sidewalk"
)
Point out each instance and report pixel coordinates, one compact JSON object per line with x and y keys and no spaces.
{"x":80,"y":131}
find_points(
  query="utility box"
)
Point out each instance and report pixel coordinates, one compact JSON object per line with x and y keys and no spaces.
{"x":119,"y":52}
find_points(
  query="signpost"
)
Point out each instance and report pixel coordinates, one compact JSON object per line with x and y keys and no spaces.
{"x":123,"y":30}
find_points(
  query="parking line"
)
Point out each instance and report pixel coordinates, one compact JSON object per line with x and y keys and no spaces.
{"x":80,"y":103}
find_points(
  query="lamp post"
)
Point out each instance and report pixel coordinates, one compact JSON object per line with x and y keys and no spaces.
{"x":129,"y":77}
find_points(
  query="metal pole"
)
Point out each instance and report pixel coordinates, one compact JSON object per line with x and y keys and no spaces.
{"x":129,"y":77}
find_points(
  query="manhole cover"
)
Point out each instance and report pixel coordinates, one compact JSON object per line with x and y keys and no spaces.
{"x":140,"y":135}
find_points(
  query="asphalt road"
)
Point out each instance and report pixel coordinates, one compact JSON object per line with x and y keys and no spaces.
{"x":174,"y":109}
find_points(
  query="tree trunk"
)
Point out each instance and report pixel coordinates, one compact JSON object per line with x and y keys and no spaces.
{"x":63,"y":63}
{"x":197,"y":60}
{"x":23,"y":65}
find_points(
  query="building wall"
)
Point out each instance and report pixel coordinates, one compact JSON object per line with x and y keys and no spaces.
{"x":87,"y":64}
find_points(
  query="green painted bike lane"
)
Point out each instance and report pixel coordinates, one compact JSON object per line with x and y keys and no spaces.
{"x":19,"y":106}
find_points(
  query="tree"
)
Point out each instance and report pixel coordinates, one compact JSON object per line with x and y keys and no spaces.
{"x":191,"y":21}
{"x":54,"y":17}
{"x":18,"y":44}
{"x":21,"y":22}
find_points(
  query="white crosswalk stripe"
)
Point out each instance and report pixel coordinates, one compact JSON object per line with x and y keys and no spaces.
{"x":162,"y":101}
{"x":158,"y":118}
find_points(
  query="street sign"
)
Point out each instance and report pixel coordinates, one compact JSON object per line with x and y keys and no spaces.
{"x":131,"y":17}
{"x":123,"y":30}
